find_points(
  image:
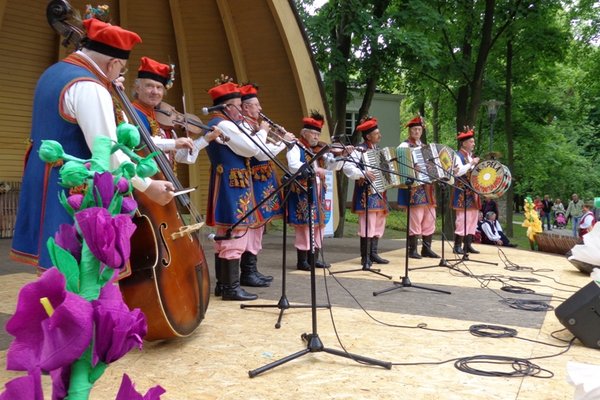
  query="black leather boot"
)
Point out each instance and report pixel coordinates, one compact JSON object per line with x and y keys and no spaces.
{"x":365,"y":258}
{"x":249,"y":258}
{"x":458,"y":244}
{"x":318,"y":262}
{"x":231,"y":282}
{"x":218,"y":276}
{"x":468,"y":248}
{"x":412,"y":247}
{"x":248,"y":276}
{"x":302,"y":263}
{"x":426,"y":250}
{"x":374,"y":255}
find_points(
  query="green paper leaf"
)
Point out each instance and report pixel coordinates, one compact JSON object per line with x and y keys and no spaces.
{"x":66,"y":264}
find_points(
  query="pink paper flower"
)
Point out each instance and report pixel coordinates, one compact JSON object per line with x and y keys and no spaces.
{"x":127,"y":391}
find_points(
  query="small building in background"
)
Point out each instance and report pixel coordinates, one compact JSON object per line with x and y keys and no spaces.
{"x":386,"y":108}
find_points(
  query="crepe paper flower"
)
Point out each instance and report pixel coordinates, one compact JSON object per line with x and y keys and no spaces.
{"x":128,"y":135}
{"x":43,"y":341}
{"x":75,"y":201}
{"x":127,"y":391}
{"x":129,"y":205}
{"x":51,"y":152}
{"x":118,"y":329}
{"x":104,"y":188}
{"x":107,"y":237}
{"x":73,"y":174}
{"x":60,"y":382}
{"x":146,"y":167}
{"x":123,"y":186}
{"x":126,"y":169}
{"x":68,"y":239}
{"x":28,"y":387}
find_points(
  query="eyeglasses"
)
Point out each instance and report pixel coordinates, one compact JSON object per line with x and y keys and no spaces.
{"x":123,"y":65}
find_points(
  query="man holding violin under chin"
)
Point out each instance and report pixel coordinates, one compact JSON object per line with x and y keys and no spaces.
{"x":152,"y":82}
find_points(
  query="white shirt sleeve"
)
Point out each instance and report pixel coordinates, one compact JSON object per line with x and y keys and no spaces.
{"x":238,"y":142}
{"x":267,"y":148}
{"x":462,"y":168}
{"x":351,"y":169}
{"x":91,"y":105}
{"x":163,"y":143}
{"x":293,"y":159}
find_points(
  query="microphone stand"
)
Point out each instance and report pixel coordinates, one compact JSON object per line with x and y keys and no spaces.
{"x":367,"y":260}
{"x":405,"y":280}
{"x":465,"y":256}
{"x":313,"y":342}
{"x":443,"y":261}
{"x":283,"y":303}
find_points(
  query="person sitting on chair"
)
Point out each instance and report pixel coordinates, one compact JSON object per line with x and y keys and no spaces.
{"x":492,"y":232}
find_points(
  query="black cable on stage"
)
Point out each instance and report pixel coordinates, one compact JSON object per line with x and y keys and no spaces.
{"x":527,"y":305}
{"x":493,"y":331}
{"x":520,"y":367}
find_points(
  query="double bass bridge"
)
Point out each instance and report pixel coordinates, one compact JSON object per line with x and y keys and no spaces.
{"x":186,"y":230}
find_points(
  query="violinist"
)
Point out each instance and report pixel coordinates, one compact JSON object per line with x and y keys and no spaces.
{"x":151,"y":85}
{"x":371,"y":227}
{"x":230,"y":193}
{"x":298,"y":215}
{"x":264,"y":182}
{"x":72,"y":105}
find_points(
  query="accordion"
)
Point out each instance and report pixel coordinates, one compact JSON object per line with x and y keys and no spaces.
{"x":381,"y":163}
{"x":424,"y":164}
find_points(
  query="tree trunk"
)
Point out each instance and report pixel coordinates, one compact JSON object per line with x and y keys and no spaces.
{"x":509,"y":135}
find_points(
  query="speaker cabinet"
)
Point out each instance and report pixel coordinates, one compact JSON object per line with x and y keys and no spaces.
{"x":580,"y":314}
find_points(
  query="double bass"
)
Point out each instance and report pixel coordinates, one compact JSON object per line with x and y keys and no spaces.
{"x":169,"y":278}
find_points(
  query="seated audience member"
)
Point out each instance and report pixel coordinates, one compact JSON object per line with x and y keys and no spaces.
{"x":492,"y":232}
{"x":478,"y":232}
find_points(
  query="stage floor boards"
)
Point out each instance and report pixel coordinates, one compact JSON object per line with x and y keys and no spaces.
{"x":407,"y":325}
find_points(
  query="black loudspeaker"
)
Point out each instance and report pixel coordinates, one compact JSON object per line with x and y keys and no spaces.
{"x":580,"y":314}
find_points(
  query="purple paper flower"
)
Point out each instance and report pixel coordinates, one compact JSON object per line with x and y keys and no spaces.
{"x":107,"y":237}
{"x":27,"y":387}
{"x":104,"y":187}
{"x":60,"y":382}
{"x":127,"y":391}
{"x":67,"y":238}
{"x":75,"y":201}
{"x":123,"y":185}
{"x":48,"y":342}
{"x":129,"y":205}
{"x":118,"y":330}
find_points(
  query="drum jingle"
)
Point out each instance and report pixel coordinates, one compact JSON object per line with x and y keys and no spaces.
{"x":491,"y":179}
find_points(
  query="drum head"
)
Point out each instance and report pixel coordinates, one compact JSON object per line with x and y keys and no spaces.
{"x":490,"y":178}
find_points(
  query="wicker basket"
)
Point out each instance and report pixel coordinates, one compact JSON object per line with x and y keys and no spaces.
{"x":9,"y":200}
{"x":557,"y":244}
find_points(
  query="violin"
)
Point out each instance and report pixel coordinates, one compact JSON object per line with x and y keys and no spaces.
{"x":168,"y":117}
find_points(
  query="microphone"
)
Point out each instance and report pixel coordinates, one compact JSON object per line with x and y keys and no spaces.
{"x":208,"y":110}
{"x":213,"y":237}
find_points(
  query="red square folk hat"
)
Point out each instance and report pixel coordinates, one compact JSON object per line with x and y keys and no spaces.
{"x":416,"y":121}
{"x":467,"y":134}
{"x":367,"y":126}
{"x":224,"y":92}
{"x":151,"y":69}
{"x":248,"y":91}
{"x":110,"y":40}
